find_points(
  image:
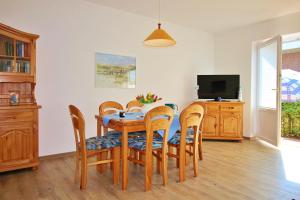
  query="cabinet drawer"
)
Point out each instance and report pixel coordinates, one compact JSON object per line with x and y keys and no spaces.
{"x":212,"y":108}
{"x":231,"y":108}
{"x":15,"y":116}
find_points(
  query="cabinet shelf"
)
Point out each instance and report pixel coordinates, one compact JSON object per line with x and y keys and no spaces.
{"x":13,"y":57}
{"x":6,"y":57}
{"x":16,"y":77}
{"x":23,"y":58}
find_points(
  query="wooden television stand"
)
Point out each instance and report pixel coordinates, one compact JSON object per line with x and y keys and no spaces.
{"x":222,"y":120}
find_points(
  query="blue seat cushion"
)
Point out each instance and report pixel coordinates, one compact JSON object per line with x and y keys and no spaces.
{"x":101,"y":142}
{"x":139,"y":143}
{"x":175,"y":139}
{"x":113,"y":134}
{"x":117,"y":134}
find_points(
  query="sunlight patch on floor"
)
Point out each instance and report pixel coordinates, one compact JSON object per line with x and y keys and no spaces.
{"x":290,"y":152}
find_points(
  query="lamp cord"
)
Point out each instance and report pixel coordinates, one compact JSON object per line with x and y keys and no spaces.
{"x":158,"y":11}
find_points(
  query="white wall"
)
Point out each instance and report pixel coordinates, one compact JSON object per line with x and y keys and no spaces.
{"x":71,"y":31}
{"x":233,"y":51}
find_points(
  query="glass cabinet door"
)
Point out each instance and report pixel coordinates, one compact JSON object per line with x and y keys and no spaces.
{"x":6,"y":54}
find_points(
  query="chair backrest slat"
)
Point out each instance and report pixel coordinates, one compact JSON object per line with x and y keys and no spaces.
{"x":109,"y":107}
{"x":78,"y":127}
{"x":191,"y":117}
{"x":134,"y":106}
{"x":159,"y":118}
{"x":160,"y":124}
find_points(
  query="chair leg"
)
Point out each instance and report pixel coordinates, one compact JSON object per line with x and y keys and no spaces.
{"x":136,"y":156}
{"x":116,"y":165}
{"x":99,"y":167}
{"x":99,"y":133}
{"x":182,"y":158}
{"x":133,"y":155}
{"x":148,"y":171}
{"x":196,"y":158}
{"x":158,"y":162}
{"x":177,"y":159}
{"x":140,"y":157}
{"x":187,"y":156}
{"x":170,"y":149}
{"x":200,"y":147}
{"x":77,"y":163}
{"x":164,"y":166}
{"x":83,"y":181}
{"x":104,"y":156}
{"x":111,"y":165}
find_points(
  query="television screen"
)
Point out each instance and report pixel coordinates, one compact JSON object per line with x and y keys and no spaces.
{"x":214,"y":86}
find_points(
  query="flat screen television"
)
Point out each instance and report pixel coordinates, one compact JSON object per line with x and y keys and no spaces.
{"x":218,"y":87}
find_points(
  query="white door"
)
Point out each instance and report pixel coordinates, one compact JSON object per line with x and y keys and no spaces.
{"x":269,"y":91}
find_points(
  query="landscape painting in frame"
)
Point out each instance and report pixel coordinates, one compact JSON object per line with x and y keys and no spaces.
{"x":115,"y":71}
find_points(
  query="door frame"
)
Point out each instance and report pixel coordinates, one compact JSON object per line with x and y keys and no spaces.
{"x":262,"y":44}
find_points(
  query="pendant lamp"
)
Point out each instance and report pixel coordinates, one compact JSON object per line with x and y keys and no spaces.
{"x":159,"y":37}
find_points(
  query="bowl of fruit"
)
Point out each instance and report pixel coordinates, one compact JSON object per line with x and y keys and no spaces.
{"x":149,"y":101}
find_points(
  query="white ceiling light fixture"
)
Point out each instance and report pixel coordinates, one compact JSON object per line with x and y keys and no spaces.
{"x":159,"y":37}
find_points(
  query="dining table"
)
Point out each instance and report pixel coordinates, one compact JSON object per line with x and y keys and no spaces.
{"x":132,"y":122}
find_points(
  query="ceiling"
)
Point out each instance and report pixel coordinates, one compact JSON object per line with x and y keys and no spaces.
{"x":208,"y":15}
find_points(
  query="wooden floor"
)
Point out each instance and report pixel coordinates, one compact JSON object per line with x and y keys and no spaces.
{"x":230,"y":170}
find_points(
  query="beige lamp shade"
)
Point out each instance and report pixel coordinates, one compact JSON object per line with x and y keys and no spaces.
{"x":159,"y":38}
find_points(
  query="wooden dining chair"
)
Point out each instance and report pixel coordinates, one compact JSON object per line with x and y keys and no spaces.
{"x":190,"y":122}
{"x":134,"y":106}
{"x":107,"y":108}
{"x":159,"y":118}
{"x":200,"y":149}
{"x":86,"y":148}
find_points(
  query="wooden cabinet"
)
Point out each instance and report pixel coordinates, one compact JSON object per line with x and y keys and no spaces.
{"x":18,"y":107}
{"x":222,"y":120}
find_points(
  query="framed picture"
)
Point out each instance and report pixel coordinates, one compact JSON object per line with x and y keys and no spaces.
{"x":115,"y":71}
{"x":14,"y":98}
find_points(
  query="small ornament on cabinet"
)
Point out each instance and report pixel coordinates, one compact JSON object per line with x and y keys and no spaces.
{"x":14,"y":98}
